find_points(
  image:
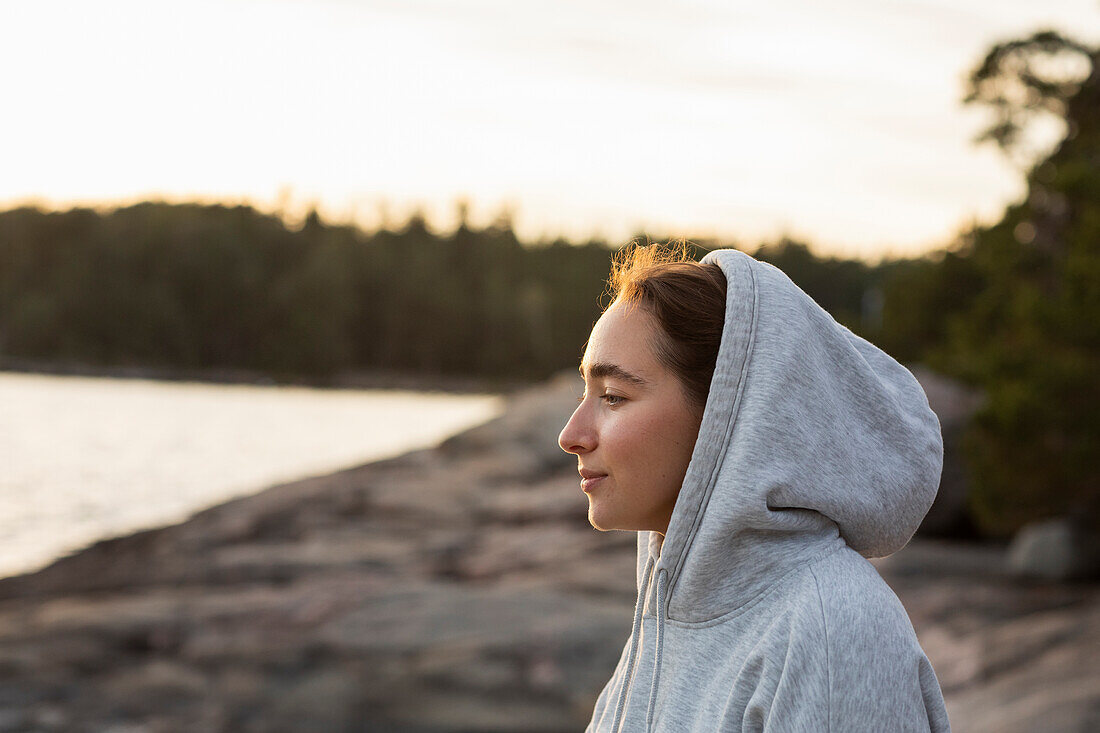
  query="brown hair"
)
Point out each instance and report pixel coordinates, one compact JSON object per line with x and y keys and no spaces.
{"x":688,"y":300}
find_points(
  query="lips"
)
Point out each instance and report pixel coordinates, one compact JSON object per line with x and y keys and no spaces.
{"x":590,"y":479}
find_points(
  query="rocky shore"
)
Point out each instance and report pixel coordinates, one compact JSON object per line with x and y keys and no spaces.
{"x":452,"y":589}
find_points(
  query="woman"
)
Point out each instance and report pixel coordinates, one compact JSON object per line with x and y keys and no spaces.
{"x":761,"y":451}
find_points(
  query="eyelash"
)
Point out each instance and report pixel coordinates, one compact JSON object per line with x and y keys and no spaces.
{"x":608,"y":399}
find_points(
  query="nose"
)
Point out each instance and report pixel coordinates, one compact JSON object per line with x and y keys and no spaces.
{"x":578,"y":435}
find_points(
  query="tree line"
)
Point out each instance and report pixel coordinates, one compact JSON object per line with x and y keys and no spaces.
{"x":209,"y":286}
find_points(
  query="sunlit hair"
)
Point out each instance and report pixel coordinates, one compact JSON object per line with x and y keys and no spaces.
{"x":688,"y":301}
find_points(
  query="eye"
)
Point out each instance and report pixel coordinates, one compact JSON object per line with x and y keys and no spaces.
{"x":612,"y":400}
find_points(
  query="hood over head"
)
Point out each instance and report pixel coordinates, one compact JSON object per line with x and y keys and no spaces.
{"x":811,"y":436}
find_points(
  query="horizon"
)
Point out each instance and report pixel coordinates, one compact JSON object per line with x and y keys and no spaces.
{"x":294,"y":222}
{"x":835,"y":124}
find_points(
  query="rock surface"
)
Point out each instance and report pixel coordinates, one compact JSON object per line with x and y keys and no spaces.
{"x":453,"y":589}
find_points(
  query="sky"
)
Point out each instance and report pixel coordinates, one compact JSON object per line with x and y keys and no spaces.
{"x":837,"y":122}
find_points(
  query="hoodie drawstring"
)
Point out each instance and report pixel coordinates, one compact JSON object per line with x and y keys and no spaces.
{"x":662,"y":580}
{"x":634,"y":636}
{"x":634,"y":650}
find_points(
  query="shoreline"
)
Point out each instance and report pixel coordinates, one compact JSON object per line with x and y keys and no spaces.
{"x":348,"y":380}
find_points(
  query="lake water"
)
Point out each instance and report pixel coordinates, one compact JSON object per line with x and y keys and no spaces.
{"x":84,"y":458}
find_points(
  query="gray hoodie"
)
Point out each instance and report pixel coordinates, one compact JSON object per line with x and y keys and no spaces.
{"x":757,"y":610}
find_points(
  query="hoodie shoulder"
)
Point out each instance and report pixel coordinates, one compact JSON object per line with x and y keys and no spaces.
{"x":879,"y":677}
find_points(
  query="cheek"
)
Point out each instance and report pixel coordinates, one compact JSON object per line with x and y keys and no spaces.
{"x":666,"y":441}
{"x":644,"y":445}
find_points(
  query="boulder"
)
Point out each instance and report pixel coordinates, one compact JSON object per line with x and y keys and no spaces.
{"x":1056,"y":549}
{"x":954,"y":403}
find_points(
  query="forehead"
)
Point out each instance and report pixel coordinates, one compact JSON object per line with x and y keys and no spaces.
{"x":624,"y":335}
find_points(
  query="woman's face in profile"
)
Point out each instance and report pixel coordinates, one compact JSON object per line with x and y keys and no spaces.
{"x":634,"y":430}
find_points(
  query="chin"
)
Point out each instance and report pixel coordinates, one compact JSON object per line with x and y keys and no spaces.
{"x":598,"y":522}
{"x":609,"y":524}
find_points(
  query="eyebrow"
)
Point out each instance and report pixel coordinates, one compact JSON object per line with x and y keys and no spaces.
{"x":614,"y":371}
